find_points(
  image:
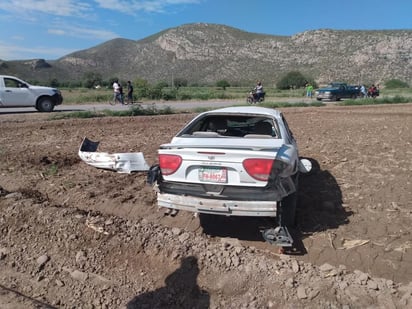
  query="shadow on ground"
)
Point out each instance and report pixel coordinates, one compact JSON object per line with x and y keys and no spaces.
{"x":319,"y":208}
{"x":180,"y":290}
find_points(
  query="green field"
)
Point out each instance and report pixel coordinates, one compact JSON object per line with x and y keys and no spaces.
{"x":84,"y":95}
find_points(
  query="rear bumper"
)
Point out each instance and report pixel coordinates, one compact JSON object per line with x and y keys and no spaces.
{"x":323,"y":96}
{"x":217,"y":206}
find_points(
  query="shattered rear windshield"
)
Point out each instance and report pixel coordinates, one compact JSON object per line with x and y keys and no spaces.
{"x":232,"y":125}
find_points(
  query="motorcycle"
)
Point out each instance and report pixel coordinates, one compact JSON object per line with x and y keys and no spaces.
{"x":253,"y":97}
{"x":373,"y":93}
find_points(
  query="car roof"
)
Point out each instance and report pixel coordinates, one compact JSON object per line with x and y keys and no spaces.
{"x":245,"y":110}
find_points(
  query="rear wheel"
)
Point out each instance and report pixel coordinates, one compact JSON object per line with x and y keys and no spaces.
{"x":288,"y":210}
{"x":288,"y":206}
{"x":45,"y":105}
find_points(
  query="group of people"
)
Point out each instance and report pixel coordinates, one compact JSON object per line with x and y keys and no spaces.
{"x":118,"y":92}
{"x":372,"y":91}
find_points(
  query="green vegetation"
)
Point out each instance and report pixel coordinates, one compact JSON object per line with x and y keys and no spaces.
{"x":159,"y":92}
{"x":294,"y":80}
{"x":396,"y":83}
{"x":385,"y":100}
{"x":290,"y":86}
{"x":52,"y":170}
{"x":291,"y":104}
{"x":136,"y":110}
{"x":222,"y":84}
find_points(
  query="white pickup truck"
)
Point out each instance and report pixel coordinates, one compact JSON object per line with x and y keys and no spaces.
{"x":15,"y":92}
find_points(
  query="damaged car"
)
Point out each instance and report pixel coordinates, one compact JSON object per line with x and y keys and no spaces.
{"x":235,"y":161}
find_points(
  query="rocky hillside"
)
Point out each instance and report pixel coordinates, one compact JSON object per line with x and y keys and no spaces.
{"x":205,"y":53}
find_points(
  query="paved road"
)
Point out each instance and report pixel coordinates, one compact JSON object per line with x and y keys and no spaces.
{"x":181,"y":105}
{"x":103,"y":106}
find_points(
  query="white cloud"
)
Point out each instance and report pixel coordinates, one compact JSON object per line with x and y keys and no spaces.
{"x":17,"y":38}
{"x":81,"y":9}
{"x":16,"y":52}
{"x":148,"y":6}
{"x":52,"y":7}
{"x":79,"y":32}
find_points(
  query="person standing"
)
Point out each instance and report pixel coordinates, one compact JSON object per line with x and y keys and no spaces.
{"x":117,"y":91}
{"x":129,"y":92}
{"x":363,"y":91}
{"x":309,"y":90}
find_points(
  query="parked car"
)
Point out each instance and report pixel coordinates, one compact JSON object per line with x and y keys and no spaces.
{"x":235,"y":161}
{"x":15,"y":92}
{"x":337,"y":91}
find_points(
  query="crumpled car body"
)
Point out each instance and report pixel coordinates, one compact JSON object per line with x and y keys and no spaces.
{"x":235,"y":161}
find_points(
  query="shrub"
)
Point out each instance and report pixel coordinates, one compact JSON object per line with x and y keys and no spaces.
{"x":91,"y":79}
{"x":396,"y":83}
{"x":222,"y":84}
{"x":169,"y":94}
{"x":293,"y":80}
{"x":180,"y":82}
{"x":184,"y":96}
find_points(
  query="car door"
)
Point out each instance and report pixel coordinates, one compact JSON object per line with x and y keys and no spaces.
{"x":15,"y":93}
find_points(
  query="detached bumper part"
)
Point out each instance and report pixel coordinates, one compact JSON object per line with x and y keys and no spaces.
{"x":118,"y":162}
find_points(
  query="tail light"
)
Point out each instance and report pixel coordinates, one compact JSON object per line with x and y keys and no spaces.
{"x":258,"y":168}
{"x":169,"y":163}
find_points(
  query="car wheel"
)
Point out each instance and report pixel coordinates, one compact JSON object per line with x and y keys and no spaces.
{"x":45,"y":105}
{"x":288,"y":210}
{"x":354,"y":96}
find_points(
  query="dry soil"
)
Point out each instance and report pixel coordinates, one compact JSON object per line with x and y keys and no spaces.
{"x":73,"y":236}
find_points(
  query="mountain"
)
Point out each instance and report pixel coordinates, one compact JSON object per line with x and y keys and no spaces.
{"x":205,"y":53}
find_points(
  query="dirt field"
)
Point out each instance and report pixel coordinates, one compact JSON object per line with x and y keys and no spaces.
{"x":72,"y":236}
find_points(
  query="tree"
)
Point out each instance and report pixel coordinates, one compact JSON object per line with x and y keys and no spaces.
{"x":180,"y":82}
{"x":162,"y":84}
{"x":293,"y":79}
{"x":91,"y":79}
{"x":142,"y":87}
{"x":223,"y":84}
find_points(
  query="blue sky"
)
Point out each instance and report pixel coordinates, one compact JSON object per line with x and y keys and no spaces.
{"x":50,"y":29}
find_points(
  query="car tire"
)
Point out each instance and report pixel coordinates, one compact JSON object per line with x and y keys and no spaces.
{"x":45,"y":105}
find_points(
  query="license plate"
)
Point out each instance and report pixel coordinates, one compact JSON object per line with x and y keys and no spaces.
{"x":213,"y":174}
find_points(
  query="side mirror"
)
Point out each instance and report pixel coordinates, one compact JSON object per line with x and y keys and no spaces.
{"x":305,"y":166}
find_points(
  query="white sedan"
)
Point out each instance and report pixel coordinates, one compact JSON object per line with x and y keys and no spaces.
{"x":235,"y":161}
